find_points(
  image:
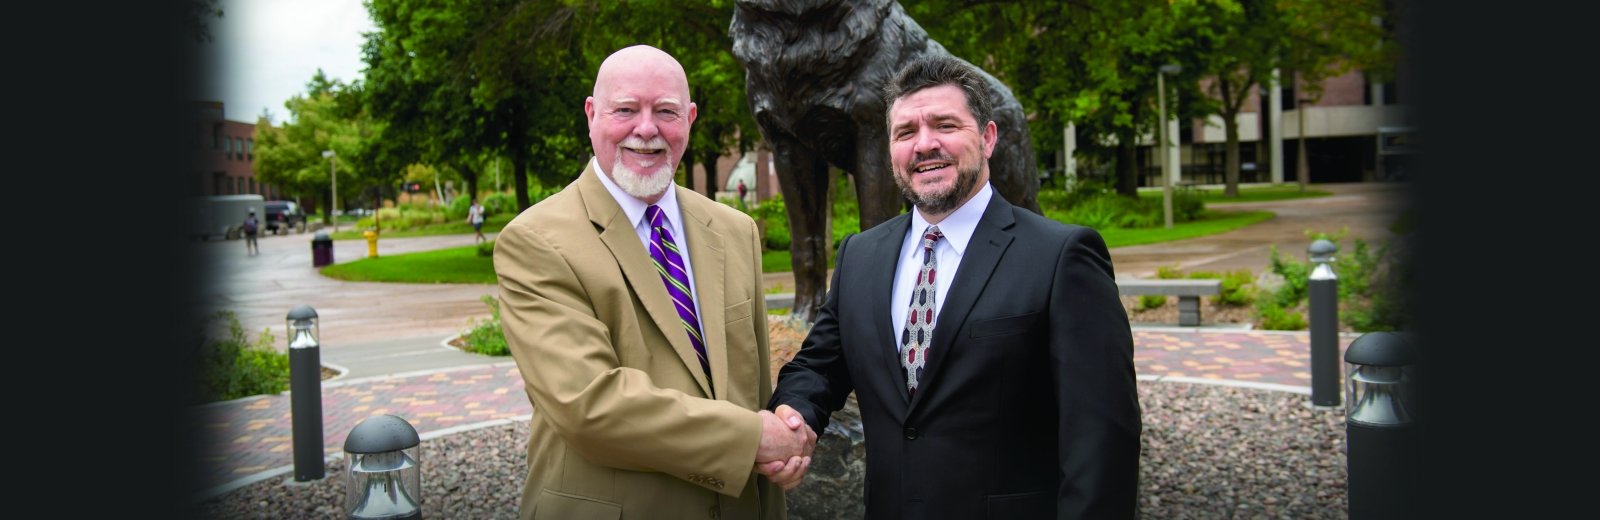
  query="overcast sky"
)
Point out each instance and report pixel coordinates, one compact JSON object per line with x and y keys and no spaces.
{"x":263,"y":52}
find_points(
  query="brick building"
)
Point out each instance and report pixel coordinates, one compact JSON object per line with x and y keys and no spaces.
{"x":224,"y":151}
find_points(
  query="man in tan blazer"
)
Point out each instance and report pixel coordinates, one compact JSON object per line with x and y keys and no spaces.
{"x":635,"y":312}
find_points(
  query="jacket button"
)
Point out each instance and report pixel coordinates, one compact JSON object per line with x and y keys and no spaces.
{"x":912,"y":434}
{"x":716,"y":512}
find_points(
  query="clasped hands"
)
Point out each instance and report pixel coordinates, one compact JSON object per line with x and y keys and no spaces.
{"x":786,"y":445}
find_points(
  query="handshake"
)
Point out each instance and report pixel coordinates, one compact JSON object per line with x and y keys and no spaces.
{"x":786,"y":445}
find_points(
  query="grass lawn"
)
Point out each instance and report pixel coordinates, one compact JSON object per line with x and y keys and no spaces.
{"x":779,"y":262}
{"x":454,"y":265}
{"x":1210,"y":223}
{"x":463,"y":265}
{"x":491,"y":224}
{"x":1246,"y":193}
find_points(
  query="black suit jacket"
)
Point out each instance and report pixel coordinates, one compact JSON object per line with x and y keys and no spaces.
{"x":1027,"y":406}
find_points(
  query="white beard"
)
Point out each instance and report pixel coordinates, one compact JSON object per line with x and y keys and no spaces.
{"x":643,"y":185}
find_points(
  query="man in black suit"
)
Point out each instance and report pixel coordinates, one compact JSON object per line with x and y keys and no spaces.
{"x":986,"y":345}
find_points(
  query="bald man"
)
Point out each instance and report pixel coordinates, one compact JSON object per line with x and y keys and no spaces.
{"x":634,"y":310}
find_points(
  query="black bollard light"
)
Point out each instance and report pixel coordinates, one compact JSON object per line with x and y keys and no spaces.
{"x":384,"y":477}
{"x":305,"y":392}
{"x":1324,"y":310}
{"x":1380,"y":439}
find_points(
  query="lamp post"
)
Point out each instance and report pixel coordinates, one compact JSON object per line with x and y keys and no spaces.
{"x":1323,"y":286}
{"x":1161,"y":148}
{"x":305,"y":392}
{"x":333,"y":159}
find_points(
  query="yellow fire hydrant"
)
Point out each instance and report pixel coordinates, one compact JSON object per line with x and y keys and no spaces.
{"x":372,"y":243}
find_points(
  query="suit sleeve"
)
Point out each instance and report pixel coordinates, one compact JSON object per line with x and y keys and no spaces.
{"x":817,"y":381}
{"x":1091,"y":350}
{"x":610,"y":414}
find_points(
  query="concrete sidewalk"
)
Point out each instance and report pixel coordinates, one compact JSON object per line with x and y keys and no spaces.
{"x":249,"y":440}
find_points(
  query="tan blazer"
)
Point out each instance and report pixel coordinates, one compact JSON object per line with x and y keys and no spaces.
{"x":624,"y":423}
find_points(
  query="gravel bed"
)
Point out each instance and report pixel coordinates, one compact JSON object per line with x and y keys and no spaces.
{"x":1209,"y":452}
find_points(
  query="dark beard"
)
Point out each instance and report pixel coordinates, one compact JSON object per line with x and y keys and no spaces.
{"x":937,"y":203}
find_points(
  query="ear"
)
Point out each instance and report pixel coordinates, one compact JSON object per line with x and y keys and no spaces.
{"x":588,"y":109}
{"x":991,"y":133}
{"x":694,"y":111}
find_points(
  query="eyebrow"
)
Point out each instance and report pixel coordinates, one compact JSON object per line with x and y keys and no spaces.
{"x":937,"y":118}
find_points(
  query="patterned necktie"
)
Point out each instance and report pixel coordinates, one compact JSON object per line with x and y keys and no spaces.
{"x":669,"y":263}
{"x":919,"y":319}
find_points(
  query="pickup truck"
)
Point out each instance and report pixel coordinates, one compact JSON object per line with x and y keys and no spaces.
{"x":283,"y":216}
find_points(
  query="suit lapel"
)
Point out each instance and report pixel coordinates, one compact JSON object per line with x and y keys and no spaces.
{"x":706,"y":256}
{"x":885,"y":257}
{"x":989,"y":242}
{"x":619,"y":236}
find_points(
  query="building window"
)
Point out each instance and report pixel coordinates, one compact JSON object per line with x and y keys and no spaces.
{"x":238,"y":148}
{"x":250,"y":148}
{"x":217,"y":139}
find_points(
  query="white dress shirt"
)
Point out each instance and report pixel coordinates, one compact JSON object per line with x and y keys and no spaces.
{"x":634,"y":208}
{"x":957,"y":228}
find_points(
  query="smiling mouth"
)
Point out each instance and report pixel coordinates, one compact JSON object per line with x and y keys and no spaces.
{"x":644,"y":151}
{"x":930,"y":167}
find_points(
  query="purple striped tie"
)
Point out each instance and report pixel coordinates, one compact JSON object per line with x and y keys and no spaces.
{"x":664,"y":254}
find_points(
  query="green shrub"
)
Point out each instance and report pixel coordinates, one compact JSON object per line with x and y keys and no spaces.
{"x":499,"y":202}
{"x":775,"y":221}
{"x":485,"y":337}
{"x":1295,"y":278}
{"x":1238,"y":287}
{"x":1151,"y":301}
{"x":1372,"y":293}
{"x":1277,"y":318}
{"x":233,"y":367}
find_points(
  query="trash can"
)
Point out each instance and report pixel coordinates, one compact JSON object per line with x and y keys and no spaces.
{"x":321,"y":249}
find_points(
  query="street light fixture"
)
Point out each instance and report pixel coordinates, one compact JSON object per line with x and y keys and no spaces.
{"x":333,"y":159}
{"x":1161,"y":148}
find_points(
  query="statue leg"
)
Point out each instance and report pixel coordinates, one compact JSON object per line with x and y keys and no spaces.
{"x":875,"y":188}
{"x":1012,"y":168}
{"x":803,"y":179}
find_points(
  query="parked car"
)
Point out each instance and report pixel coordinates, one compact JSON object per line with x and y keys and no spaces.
{"x":283,"y":216}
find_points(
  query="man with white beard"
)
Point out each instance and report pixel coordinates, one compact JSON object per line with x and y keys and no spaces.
{"x":635,"y":312}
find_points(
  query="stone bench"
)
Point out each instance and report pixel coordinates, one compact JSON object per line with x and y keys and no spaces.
{"x":1187,"y":290}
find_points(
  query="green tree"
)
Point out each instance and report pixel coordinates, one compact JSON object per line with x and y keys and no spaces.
{"x":1091,"y":63}
{"x":327,"y":117}
{"x":1241,"y":43}
{"x":465,"y":78}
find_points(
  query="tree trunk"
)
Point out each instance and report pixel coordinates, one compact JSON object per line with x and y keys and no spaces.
{"x":516,"y":141}
{"x":1127,"y":167}
{"x":709,"y":162}
{"x":1230,"y":125}
{"x":471,"y":177}
{"x":688,"y":168}
{"x":519,"y":173}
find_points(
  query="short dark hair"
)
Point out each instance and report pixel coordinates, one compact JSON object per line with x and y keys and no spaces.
{"x":942,"y":70}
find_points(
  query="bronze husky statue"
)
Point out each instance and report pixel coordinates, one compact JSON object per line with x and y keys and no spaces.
{"x":814,"y":75}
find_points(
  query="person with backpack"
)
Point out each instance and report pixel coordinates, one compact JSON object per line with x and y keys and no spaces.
{"x":250,"y":227}
{"x":475,"y":217}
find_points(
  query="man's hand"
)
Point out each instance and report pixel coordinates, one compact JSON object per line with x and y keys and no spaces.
{"x":786,"y":474}
{"x":781,"y":438}
{"x":784,"y":455}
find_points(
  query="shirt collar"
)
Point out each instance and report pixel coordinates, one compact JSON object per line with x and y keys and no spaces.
{"x":961,"y":223}
{"x":633,"y":207}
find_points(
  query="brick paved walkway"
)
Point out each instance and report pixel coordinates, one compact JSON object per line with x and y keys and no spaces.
{"x":249,"y":440}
